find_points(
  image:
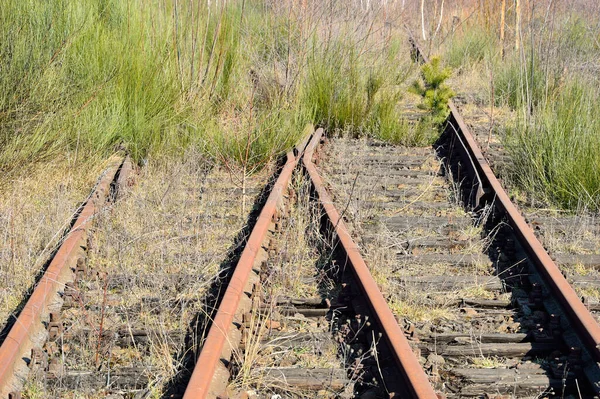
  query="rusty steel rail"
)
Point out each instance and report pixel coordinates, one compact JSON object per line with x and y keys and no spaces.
{"x":407,"y":362}
{"x":27,"y":331}
{"x":578,"y":314}
{"x":126,"y":177}
{"x":214,"y":348}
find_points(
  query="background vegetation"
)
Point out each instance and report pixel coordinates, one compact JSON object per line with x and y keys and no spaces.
{"x":538,"y":59}
{"x":238,"y":79}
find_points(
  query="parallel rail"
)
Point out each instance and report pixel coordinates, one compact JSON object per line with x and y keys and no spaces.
{"x":490,"y":191}
{"x":493,"y":192}
{"x":222,"y":333}
{"x":28,"y":331}
{"x":208,"y":380}
{"x":407,"y":363}
{"x":222,"y":337}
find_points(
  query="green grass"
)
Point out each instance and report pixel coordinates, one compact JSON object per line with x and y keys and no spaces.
{"x":359,"y":93}
{"x":470,"y":45}
{"x":555,"y":154}
{"x":81,"y":82}
{"x":240,"y":80}
{"x":550,"y":85}
{"x":524,"y":82}
{"x":84,"y":79}
{"x":554,"y":143}
{"x":334,"y":88}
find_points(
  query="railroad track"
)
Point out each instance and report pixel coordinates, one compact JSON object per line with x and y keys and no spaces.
{"x":123,"y":323}
{"x":459,"y":299}
{"x":341,"y":341}
{"x":571,"y":239}
{"x":90,"y":343}
{"x":25,"y":345}
{"x":482,"y":305}
{"x":541,"y":306}
{"x":476,"y":324}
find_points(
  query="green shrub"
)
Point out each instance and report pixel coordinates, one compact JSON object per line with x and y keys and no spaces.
{"x":434,"y":92}
{"x":79,"y":80}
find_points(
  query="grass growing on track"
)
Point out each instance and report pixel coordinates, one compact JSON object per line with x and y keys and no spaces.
{"x":356,"y":93}
{"x":161,"y":249}
{"x":163,"y":79}
{"x":239,"y":79}
{"x":33,"y":214}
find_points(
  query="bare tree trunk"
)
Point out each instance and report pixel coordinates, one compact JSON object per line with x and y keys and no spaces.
{"x":423,"y":19}
{"x":517,"y":24}
{"x":440,"y":20}
{"x":491,"y":109}
{"x":502,"y":23}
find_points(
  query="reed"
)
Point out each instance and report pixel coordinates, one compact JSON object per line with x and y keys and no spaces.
{"x":239,"y":79}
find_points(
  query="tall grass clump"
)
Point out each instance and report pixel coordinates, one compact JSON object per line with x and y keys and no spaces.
{"x":385,"y":124}
{"x":524,"y":82}
{"x":239,"y":79}
{"x":358,"y":93}
{"x":80,"y":77}
{"x":469,"y":46}
{"x":555,"y":156}
{"x":79,"y":80}
{"x":554,"y":143}
{"x":335,"y":89}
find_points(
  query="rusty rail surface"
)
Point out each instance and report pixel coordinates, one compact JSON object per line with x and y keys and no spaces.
{"x":199,"y":385}
{"x":407,"y":361}
{"x":578,"y":314}
{"x":28,"y":329}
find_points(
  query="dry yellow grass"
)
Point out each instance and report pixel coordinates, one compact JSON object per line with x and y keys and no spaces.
{"x":416,"y":302}
{"x":35,"y":209}
{"x":294,"y":270}
{"x":153,"y":259}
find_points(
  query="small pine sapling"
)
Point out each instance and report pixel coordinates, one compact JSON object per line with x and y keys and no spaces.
{"x":434,"y":92}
